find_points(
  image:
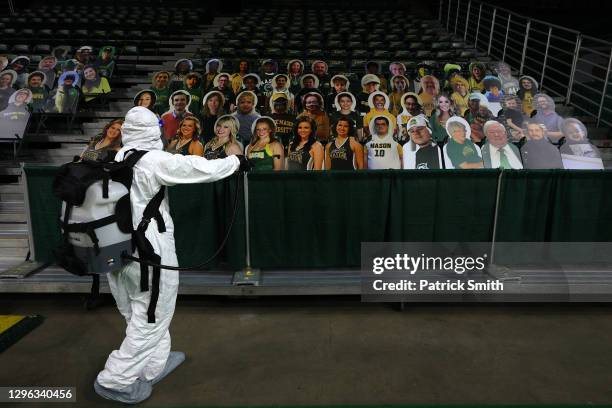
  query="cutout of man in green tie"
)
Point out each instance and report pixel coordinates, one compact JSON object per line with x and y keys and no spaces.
{"x":497,"y":152}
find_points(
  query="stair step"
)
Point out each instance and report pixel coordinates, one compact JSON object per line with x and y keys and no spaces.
{"x":13,"y":230}
{"x":11,"y":188}
{"x":10,"y":168}
{"x":11,"y":206}
{"x":12,"y":217}
{"x":17,"y":234}
{"x":11,"y":197}
{"x":18,"y":253}
{"x":13,"y":242}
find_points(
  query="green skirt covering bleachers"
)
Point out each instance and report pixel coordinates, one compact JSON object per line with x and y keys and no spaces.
{"x":320,"y":219}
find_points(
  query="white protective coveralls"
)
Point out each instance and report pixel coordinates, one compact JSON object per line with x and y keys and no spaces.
{"x":143,"y":354}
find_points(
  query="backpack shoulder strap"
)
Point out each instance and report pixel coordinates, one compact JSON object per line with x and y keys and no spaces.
{"x":132,"y":157}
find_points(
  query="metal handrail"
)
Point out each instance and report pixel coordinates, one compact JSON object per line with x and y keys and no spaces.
{"x":497,"y":27}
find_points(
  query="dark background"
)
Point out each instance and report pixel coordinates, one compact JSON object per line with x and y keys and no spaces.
{"x":587,"y":16}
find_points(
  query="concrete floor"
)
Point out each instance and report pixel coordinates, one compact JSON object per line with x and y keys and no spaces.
{"x":332,"y":351}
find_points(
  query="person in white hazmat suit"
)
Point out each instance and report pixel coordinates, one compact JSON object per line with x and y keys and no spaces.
{"x":144,"y":357}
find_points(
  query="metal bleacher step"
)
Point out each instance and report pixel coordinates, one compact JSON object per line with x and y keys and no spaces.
{"x":12,"y":243}
{"x":13,"y":230}
{"x":11,"y":192}
{"x":59,"y":138}
{"x":10,"y":168}
{"x":12,"y":217}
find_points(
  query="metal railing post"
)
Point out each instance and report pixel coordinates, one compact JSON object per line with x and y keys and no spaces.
{"x":492,"y":31}
{"x":496,"y":215}
{"x":545,"y":56}
{"x":506,"y":39}
{"x":573,"y":72}
{"x":448,"y":15}
{"x":467,"y":20}
{"x":247,"y":231}
{"x":605,"y":89}
{"x":248,"y":275}
{"x":478,"y":26}
{"x":527,"y":28}
{"x":457,"y":16}
{"x":28,"y":213}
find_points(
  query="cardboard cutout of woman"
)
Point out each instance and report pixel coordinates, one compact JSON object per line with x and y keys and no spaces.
{"x":182,"y":67}
{"x":460,"y":152}
{"x":345,"y":106}
{"x":47,"y":66}
{"x":497,"y":152}
{"x":399,"y":86}
{"x":94,"y":85}
{"x":460,"y":95}
{"x":244,"y":67}
{"x":14,"y":118}
{"x":213,"y":67}
{"x":40,"y":92}
{"x":7,"y":81}
{"x":445,"y":110}
{"x":420,"y":152}
{"x":494,"y":92}
{"x":477,"y":74}
{"x":212,"y":109}
{"x":295,"y":70}
{"x":430,"y":89}
{"x":538,"y":152}
{"x":577,"y":152}
{"x":412,"y":106}
{"x":68,"y":92}
{"x":106,"y":61}
{"x":20,"y":66}
{"x":146,"y":98}
{"x":528,"y":88}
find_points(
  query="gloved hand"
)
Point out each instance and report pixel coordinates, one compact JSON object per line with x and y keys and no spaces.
{"x":245,"y":164}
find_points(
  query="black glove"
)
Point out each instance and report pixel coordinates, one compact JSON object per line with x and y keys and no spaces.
{"x":245,"y":164}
